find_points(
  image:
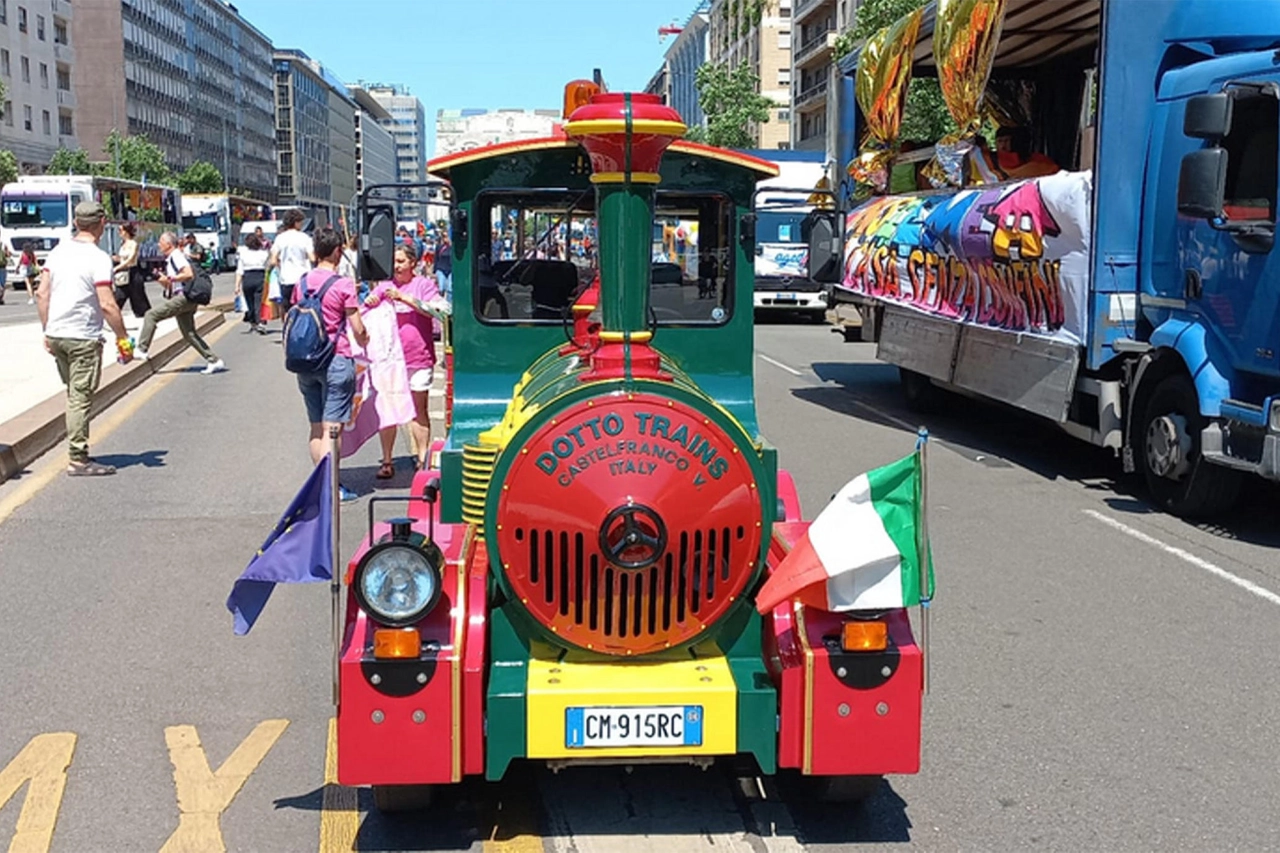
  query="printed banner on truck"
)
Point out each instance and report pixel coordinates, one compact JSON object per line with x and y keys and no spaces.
{"x":1014,"y":256}
{"x":782,"y":260}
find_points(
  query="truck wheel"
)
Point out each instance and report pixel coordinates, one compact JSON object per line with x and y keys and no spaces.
{"x":844,"y":789}
{"x":402,"y":798}
{"x":921,"y":394}
{"x":1178,"y":478}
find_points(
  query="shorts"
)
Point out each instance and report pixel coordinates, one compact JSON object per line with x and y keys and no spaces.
{"x":420,"y":380}
{"x":329,"y":394}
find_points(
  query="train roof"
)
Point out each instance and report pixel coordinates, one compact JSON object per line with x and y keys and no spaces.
{"x":442,"y":165}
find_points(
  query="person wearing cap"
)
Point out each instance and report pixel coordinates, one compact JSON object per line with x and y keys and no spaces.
{"x":177,"y":272}
{"x":73,"y":299}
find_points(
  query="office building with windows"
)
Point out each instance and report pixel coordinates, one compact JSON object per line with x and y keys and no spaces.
{"x":315,"y":138}
{"x":815,"y":25}
{"x":36,"y":60}
{"x":193,"y":76}
{"x":375,"y":146}
{"x":757,"y":35}
{"x":408,"y":126}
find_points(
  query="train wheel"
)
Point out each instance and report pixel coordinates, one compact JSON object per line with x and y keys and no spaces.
{"x":1178,"y":478}
{"x":402,"y":798}
{"x":844,"y":789}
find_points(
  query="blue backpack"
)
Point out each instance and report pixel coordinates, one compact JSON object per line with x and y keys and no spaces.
{"x":308,"y":348}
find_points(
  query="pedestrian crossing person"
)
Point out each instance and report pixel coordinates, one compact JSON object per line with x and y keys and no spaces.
{"x":177,"y":272}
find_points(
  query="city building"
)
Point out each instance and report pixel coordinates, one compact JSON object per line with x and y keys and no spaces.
{"x":375,"y":146}
{"x":676,"y":80}
{"x":815,"y":25}
{"x":757,"y":33}
{"x":408,"y":127}
{"x":658,"y":84}
{"x":315,"y":138}
{"x":191,"y":75}
{"x":683,"y":58}
{"x":460,"y":130}
{"x":36,"y":60}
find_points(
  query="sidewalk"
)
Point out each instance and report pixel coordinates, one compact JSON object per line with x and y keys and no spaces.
{"x":33,"y":398}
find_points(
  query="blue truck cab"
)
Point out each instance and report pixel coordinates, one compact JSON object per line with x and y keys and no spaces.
{"x":1167,"y":112}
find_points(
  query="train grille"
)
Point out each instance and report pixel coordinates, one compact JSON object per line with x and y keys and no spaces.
{"x":570,"y":586}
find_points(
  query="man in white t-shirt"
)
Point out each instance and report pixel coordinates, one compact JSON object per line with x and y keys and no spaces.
{"x":177,"y":272}
{"x":73,"y":299}
{"x":293,"y":253}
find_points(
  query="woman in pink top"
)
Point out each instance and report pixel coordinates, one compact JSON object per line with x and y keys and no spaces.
{"x":417,"y":300}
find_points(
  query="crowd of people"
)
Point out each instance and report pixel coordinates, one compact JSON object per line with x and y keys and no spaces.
{"x":383,"y":333}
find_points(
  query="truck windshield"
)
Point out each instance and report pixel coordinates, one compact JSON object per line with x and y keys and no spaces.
{"x":778,"y":227}
{"x":35,"y":212}
{"x":200,"y":222}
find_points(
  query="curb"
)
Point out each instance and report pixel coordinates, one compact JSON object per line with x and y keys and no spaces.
{"x":35,"y":432}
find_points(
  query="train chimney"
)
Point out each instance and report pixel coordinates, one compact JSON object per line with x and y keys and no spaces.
{"x":625,"y":135}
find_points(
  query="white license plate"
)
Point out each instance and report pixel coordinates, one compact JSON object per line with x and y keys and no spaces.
{"x":640,"y":725}
{"x":786,"y":297}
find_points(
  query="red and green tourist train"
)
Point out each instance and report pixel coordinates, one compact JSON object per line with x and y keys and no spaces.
{"x":578,"y":583}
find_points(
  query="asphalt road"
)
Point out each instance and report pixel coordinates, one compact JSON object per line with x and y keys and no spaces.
{"x":1101,"y":675}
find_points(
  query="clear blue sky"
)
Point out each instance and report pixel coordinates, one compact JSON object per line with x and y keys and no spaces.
{"x":475,"y":53}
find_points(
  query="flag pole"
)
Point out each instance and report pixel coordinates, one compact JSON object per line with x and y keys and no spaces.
{"x":335,"y":582}
{"x":922,"y":551}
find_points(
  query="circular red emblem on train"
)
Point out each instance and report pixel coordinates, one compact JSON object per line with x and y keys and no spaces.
{"x":629,"y":525}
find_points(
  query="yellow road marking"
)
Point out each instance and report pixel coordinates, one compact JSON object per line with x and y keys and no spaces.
{"x":43,"y":762}
{"x":203,"y":796}
{"x":103,"y":425}
{"x":339,"y":810}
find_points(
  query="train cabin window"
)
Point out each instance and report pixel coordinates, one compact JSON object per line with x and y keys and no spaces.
{"x":539,"y":252}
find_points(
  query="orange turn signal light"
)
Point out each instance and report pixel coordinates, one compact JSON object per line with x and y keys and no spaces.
{"x":396,"y":643}
{"x":864,"y":636}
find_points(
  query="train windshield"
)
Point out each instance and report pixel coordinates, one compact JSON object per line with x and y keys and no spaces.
{"x":35,"y":212}
{"x":539,"y":253}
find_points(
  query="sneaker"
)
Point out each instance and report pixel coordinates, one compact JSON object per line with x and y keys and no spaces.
{"x":346,"y":495}
{"x":139,"y":354}
{"x":89,"y":468}
{"x":214,"y":367}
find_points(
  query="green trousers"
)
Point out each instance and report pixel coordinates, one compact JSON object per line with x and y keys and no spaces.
{"x":80,"y":366}
{"x":185,"y":311}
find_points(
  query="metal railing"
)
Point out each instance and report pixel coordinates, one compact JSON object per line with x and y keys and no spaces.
{"x":814,"y":45}
{"x":800,"y":8}
{"x":803,"y":96}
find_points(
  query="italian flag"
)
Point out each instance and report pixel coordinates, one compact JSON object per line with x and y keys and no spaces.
{"x":862,"y":551}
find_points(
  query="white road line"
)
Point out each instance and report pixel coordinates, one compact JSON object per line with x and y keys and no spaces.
{"x":785,"y":367}
{"x":1198,"y":562}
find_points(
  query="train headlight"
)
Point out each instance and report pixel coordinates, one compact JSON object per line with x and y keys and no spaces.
{"x":398,"y":582}
{"x":1275,"y":416}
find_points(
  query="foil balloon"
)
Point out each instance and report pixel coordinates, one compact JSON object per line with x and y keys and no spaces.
{"x":965,"y":35}
{"x":884,"y":72}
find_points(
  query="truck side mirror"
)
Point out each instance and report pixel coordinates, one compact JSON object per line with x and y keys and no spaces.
{"x":1202,"y":184}
{"x":822,"y":232}
{"x":377,"y":244}
{"x":1208,"y":116}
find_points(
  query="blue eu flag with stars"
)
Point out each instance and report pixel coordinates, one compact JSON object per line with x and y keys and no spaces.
{"x":297,"y":551}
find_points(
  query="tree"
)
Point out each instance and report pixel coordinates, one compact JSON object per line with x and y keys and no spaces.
{"x":66,"y":161}
{"x":925,"y":117}
{"x":731,"y":101}
{"x":135,"y":157}
{"x":201,"y":177}
{"x":8,"y":166}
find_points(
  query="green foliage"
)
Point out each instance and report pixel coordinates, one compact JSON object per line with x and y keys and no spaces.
{"x":132,"y":157}
{"x":8,"y":166}
{"x":67,"y":161}
{"x":200,"y":177}
{"x":731,"y":100}
{"x":925,"y":118}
